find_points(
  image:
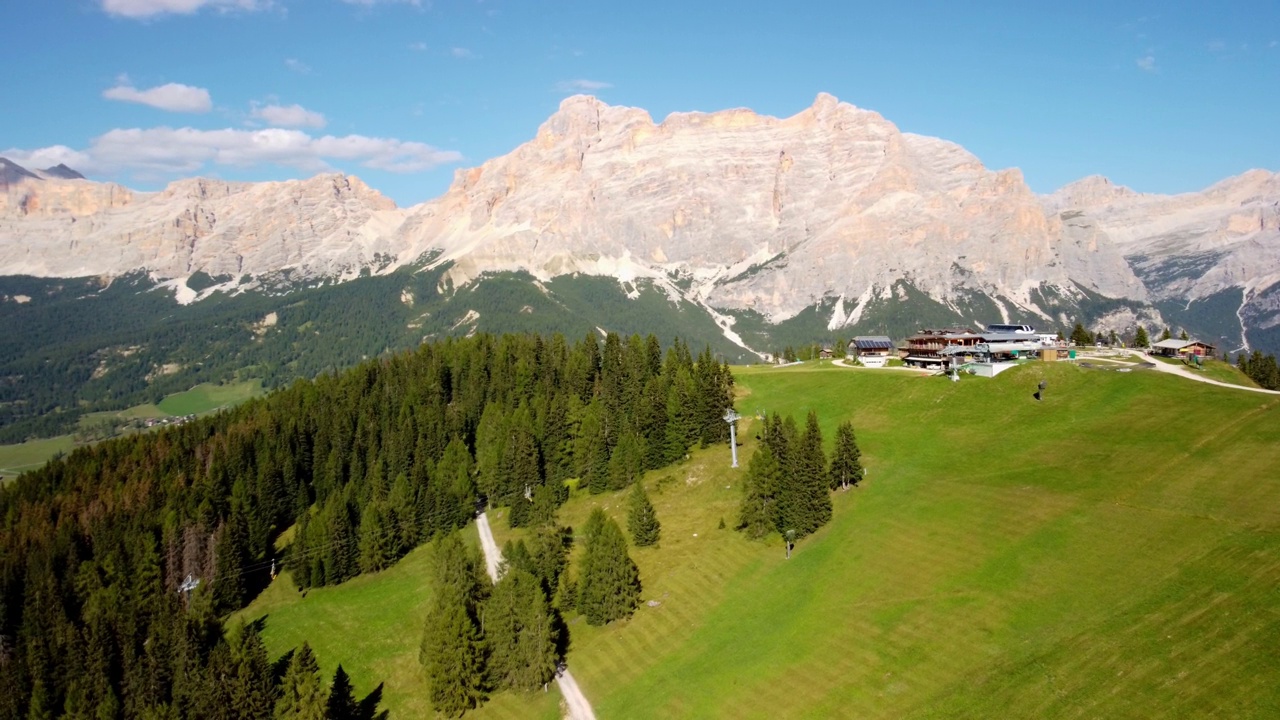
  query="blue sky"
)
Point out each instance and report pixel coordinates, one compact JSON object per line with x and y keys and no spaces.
{"x":1164,"y":96}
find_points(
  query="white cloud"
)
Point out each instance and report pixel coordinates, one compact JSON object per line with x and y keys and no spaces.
{"x":1147,"y":63}
{"x":184,"y":151}
{"x":582,"y":85}
{"x":297,"y":66}
{"x":151,"y":8}
{"x":418,"y":46}
{"x":174,"y":97}
{"x":288,"y":116}
{"x":462,"y":53}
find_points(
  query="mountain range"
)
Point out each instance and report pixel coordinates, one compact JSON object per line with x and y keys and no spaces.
{"x":828,"y":223}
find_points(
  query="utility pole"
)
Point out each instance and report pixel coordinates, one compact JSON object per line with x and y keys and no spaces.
{"x":732,"y":417}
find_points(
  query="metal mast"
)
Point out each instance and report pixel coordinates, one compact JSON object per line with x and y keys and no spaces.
{"x":732,"y":417}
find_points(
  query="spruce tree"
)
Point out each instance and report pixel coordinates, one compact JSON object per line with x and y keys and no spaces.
{"x":232,"y":559}
{"x":341,"y":703}
{"x":627,"y":464}
{"x":642,"y":521}
{"x":609,"y":588}
{"x":1166,"y":334}
{"x":846,"y":467}
{"x":519,"y":633}
{"x":378,"y":539}
{"x":302,"y":696}
{"x":452,"y":646}
{"x":755,"y":515}
{"x":1141,"y":339}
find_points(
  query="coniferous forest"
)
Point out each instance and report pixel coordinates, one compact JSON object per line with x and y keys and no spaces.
{"x":118,"y":561}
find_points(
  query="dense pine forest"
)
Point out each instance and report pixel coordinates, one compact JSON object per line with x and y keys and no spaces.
{"x":118,"y":561}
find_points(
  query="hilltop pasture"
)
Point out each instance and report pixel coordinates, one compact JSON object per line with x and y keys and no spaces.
{"x":1110,"y":551}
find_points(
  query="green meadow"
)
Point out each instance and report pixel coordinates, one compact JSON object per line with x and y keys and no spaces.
{"x":1110,"y":551}
{"x":18,"y":458}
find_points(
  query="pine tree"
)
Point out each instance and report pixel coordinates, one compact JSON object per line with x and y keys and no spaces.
{"x":341,"y":703}
{"x":1166,"y":334}
{"x":642,"y":521}
{"x":520,"y":633}
{"x":609,"y":588}
{"x":846,"y":465}
{"x":1183,"y":335}
{"x":1140,"y":339}
{"x":232,"y":559}
{"x":302,"y":695}
{"x":591,"y":450}
{"x":1081,"y":337}
{"x":755,"y":515}
{"x":252,"y":688}
{"x":452,"y":645}
{"x":377,"y":539}
{"x":627,"y":463}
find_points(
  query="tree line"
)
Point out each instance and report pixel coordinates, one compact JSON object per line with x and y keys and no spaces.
{"x":363,"y":465}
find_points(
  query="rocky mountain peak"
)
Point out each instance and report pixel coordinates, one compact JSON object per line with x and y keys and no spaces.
{"x":61,"y":172}
{"x":11,"y":173}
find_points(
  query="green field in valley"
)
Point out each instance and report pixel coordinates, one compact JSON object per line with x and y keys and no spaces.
{"x":18,"y":458}
{"x":1112,"y":551}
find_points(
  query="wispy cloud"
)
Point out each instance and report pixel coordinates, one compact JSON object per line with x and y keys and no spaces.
{"x":1273,"y":43}
{"x":288,"y":116}
{"x":581,"y":85}
{"x":297,"y":66}
{"x":152,"y":8}
{"x":462,"y":53}
{"x":1217,"y":46}
{"x":184,"y":151}
{"x":174,"y":97}
{"x":1147,"y":63}
{"x":371,"y":3}
{"x":418,"y":46}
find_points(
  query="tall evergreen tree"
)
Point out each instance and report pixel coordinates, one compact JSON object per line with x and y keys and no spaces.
{"x":302,"y":696}
{"x":642,"y":521}
{"x":341,"y":703}
{"x":846,"y":465}
{"x":232,"y":561}
{"x":1140,"y":339}
{"x":520,"y":633}
{"x":756,"y":514}
{"x":452,"y":645}
{"x":626,"y":466}
{"x":609,"y":588}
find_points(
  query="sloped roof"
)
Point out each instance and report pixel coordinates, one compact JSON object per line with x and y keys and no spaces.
{"x":1173,"y":344}
{"x":873,"y":342}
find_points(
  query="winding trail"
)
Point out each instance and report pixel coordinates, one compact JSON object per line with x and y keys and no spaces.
{"x":1185,"y":372}
{"x":578,"y":707}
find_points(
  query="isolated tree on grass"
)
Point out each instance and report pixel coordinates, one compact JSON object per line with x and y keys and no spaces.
{"x":642,"y":521}
{"x":302,"y":696}
{"x":755,"y":515}
{"x":520,"y":633}
{"x":1080,"y":337}
{"x":609,"y":587}
{"x":1141,"y":339}
{"x":452,"y":646}
{"x":846,"y":465}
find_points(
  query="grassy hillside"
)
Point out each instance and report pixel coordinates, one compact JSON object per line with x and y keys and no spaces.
{"x":1112,"y":551}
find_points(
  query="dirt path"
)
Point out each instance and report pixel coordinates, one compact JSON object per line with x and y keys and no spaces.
{"x":1181,"y":371}
{"x":917,"y":371}
{"x":577,"y":706}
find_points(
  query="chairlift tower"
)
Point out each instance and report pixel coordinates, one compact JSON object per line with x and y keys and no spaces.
{"x":732,"y":417}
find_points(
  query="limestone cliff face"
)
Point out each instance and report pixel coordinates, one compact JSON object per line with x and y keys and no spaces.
{"x":1191,"y":245}
{"x":327,"y":225}
{"x":765,"y":213}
